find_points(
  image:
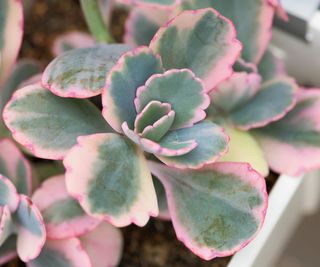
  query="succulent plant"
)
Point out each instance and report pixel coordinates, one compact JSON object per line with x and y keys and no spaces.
{"x":190,"y":122}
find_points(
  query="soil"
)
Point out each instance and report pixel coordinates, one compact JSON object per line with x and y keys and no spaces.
{"x":156,"y":244}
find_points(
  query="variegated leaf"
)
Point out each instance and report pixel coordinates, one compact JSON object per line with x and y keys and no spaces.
{"x":132,"y":71}
{"x":202,"y":41}
{"x":22,"y":71}
{"x":211,"y":143}
{"x":168,"y":148}
{"x":6,"y":226}
{"x":48,"y":125}
{"x":8,"y":194}
{"x":63,"y":216}
{"x":179,"y":88}
{"x":14,"y":165}
{"x":11,"y":31}
{"x":81,"y":73}
{"x":103,"y":245}
{"x":31,"y":230}
{"x":143,"y":23}
{"x":216,"y":210}
{"x":272,"y":102}
{"x":252,"y":20}
{"x":62,"y":253}
{"x":292,"y":144}
{"x":271,"y":66}
{"x":113,"y":182}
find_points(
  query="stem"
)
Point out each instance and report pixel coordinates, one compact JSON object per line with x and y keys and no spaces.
{"x":95,"y":22}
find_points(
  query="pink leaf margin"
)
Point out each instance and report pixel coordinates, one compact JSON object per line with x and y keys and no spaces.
{"x":224,"y":68}
{"x":255,"y":179}
{"x":12,"y":155}
{"x":108,"y":105}
{"x":53,"y":189}
{"x":23,"y":139}
{"x":85,"y":151}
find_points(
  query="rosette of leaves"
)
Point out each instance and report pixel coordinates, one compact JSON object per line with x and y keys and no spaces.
{"x":22,"y":230}
{"x":154,"y":101}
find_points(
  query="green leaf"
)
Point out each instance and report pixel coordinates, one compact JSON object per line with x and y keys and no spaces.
{"x":49,"y":125}
{"x":179,"y":88}
{"x":132,"y":71}
{"x":81,"y":73}
{"x":292,"y":144}
{"x":252,"y":19}
{"x":211,"y":142}
{"x":202,"y":41}
{"x":272,"y":102}
{"x":11,"y":31}
{"x":113,"y":182}
{"x":24,"y":70}
{"x":215,"y":210}
{"x":62,"y":214}
{"x":15,"y":166}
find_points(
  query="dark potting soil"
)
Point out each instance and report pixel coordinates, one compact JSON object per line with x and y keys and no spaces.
{"x":154,"y":245}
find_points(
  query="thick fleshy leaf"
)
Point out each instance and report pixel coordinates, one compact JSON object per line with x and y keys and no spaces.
{"x":8,"y":250}
{"x":5,"y":224}
{"x":23,"y":70}
{"x":48,"y":125}
{"x":113,"y":181}
{"x":62,"y":253}
{"x":8,"y":194}
{"x":182,"y":90}
{"x":31,"y":230}
{"x":272,"y":102}
{"x":132,"y":70}
{"x":202,"y":41}
{"x":151,"y":113}
{"x":63,"y":216}
{"x":103,"y":245}
{"x":244,"y":148}
{"x":81,"y":73}
{"x":233,"y":93}
{"x":271,"y":66}
{"x":71,"y":40}
{"x":252,"y":19}
{"x":11,"y":30}
{"x":211,"y":142}
{"x":292,"y":144}
{"x":158,"y":129}
{"x":168,"y":148}
{"x":216,"y":210}
{"x":143,"y":23}
{"x":162,"y":199}
{"x":14,"y":165}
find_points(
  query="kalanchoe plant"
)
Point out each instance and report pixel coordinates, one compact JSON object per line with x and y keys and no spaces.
{"x":21,"y":221}
{"x":155,"y":100}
